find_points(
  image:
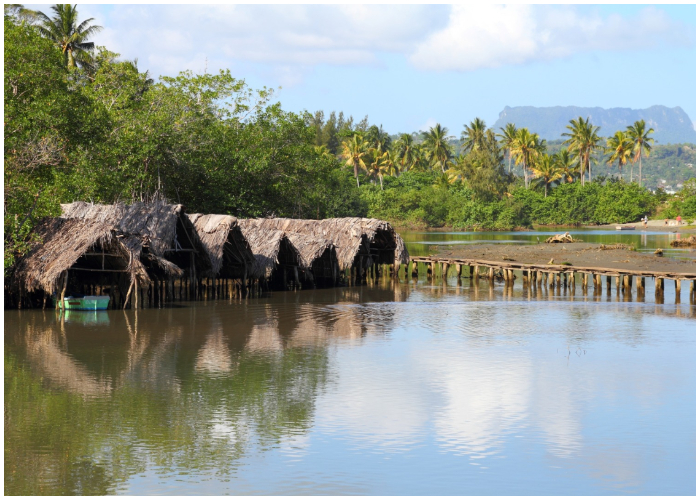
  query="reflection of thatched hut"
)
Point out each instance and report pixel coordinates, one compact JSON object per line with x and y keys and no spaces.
{"x":228,"y":250}
{"x":167,"y":235}
{"x":276,"y":259}
{"x":77,"y":255}
{"x":358,"y":241}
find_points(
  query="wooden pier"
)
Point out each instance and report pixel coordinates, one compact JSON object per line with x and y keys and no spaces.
{"x":551,"y":274}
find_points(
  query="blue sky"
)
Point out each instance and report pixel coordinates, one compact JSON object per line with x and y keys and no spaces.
{"x":411,"y":66}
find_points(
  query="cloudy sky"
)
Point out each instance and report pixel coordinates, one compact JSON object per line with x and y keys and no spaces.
{"x":410,"y":66}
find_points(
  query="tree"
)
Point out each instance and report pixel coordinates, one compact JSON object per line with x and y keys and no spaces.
{"x":437,"y":147}
{"x":507,"y":137}
{"x":565,"y":163}
{"x":619,"y":147}
{"x":378,"y":165}
{"x":19,"y":13}
{"x":526,"y":148}
{"x":547,"y":170}
{"x":408,"y":152}
{"x":69,"y":35}
{"x":639,"y":135}
{"x":583,"y":139}
{"x":354,"y":151}
{"x":473,"y":135}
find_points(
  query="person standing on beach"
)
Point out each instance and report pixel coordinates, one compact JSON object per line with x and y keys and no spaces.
{"x":678,"y":220}
{"x":645,"y":221}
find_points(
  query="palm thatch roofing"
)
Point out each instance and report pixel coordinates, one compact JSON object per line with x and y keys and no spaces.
{"x":91,"y":244}
{"x":270,"y":247}
{"x":351,"y":236}
{"x":227,"y":248}
{"x":165,"y":231}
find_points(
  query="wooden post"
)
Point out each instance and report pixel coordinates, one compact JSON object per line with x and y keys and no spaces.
{"x":659,"y":285}
{"x":539,"y":278}
{"x":558,"y":279}
{"x":445,"y":268}
{"x":459,"y":270}
{"x":617,"y":283}
{"x":128,"y":294}
{"x":692,"y":287}
{"x":678,"y":287}
{"x":492,"y":274}
{"x":608,"y":280}
{"x":63,"y":290}
{"x":551,"y":280}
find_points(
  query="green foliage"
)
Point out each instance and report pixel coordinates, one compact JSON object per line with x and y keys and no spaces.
{"x":682,"y":203}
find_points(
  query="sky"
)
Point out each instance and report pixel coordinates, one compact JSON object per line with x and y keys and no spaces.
{"x":409,"y":67}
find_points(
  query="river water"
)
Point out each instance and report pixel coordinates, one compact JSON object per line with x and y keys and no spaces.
{"x":404,"y":388}
{"x":646,"y":241}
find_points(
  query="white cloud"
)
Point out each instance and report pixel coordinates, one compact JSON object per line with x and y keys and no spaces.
{"x":489,"y":36}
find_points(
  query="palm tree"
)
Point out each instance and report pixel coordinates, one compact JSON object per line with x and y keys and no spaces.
{"x":353,"y":152}
{"x":583,"y":139}
{"x":639,"y":135}
{"x":378,"y":166}
{"x":407,"y":151}
{"x":620,"y":149}
{"x":70,"y":36}
{"x":546,"y":170}
{"x":526,"y":148}
{"x":507,"y":138}
{"x":473,"y":135}
{"x":18,"y":12}
{"x":437,"y":147}
{"x":565,"y":163}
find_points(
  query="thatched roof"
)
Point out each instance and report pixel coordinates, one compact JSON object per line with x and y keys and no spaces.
{"x":309,"y":247}
{"x":348,"y":235}
{"x":215,"y":231}
{"x":266,"y":244}
{"x":155,"y":223}
{"x":67,"y":240}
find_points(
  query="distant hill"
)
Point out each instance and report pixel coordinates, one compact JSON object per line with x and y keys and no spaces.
{"x":671,"y":125}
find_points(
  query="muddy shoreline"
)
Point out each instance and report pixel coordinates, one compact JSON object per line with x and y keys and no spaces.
{"x":576,"y":254}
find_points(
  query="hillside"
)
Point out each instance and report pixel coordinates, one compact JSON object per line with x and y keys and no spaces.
{"x":671,"y":125}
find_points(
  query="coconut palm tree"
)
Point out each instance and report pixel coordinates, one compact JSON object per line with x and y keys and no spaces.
{"x":18,"y":12}
{"x":583,"y":139}
{"x":507,"y":137}
{"x":353,"y":152}
{"x":437,"y":147}
{"x":526,"y":148}
{"x":620,"y":149}
{"x":378,"y":165}
{"x":546,"y":169}
{"x":639,"y":135}
{"x":408,"y":153}
{"x":565,"y":163}
{"x":70,"y":35}
{"x":473,"y":135}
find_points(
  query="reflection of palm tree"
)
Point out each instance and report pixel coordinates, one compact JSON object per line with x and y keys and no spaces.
{"x":437,"y":146}
{"x":639,"y":135}
{"x":70,"y":36}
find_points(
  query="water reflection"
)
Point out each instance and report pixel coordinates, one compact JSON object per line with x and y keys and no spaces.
{"x":289,"y":393}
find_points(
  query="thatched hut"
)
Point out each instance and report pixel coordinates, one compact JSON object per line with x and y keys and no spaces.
{"x":227,"y":248}
{"x":78,"y":256}
{"x":168,"y":236}
{"x":277,"y":260}
{"x":319,"y":261}
{"x":359,"y":242}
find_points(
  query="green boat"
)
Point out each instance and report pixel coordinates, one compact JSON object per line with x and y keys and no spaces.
{"x":87,"y":302}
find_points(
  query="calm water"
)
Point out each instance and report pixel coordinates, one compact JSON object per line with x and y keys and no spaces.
{"x":410,"y":388}
{"x":430,"y":242}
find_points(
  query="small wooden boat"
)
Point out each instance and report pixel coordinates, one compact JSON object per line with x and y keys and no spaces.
{"x":625,"y":228}
{"x":86,"y":302}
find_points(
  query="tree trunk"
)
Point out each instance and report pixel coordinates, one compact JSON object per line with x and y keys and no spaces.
{"x":640,"y":170}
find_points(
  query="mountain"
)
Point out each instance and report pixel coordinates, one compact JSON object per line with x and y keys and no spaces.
{"x":671,"y":125}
